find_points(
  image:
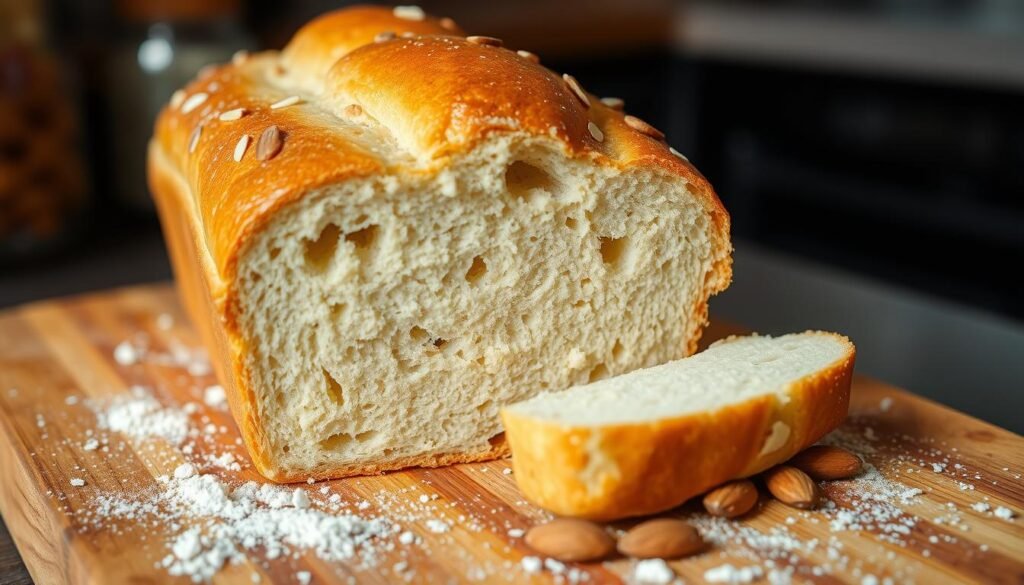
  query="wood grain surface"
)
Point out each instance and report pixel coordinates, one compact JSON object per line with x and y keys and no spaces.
{"x":54,"y":350}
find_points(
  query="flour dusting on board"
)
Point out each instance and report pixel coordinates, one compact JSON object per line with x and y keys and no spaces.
{"x":205,"y":509}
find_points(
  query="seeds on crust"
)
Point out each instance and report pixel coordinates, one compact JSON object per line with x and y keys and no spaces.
{"x":825,"y":462}
{"x":643,"y":127}
{"x":177,"y":98}
{"x":193,"y":139}
{"x":232,"y":115}
{"x":194,"y":101}
{"x":732,"y":499}
{"x":269,"y":144}
{"x":531,"y":57}
{"x":384,"y":36}
{"x":793,"y":487}
{"x":595,"y":132}
{"x":284,"y":103}
{"x":614,"y":103}
{"x":678,"y":154}
{"x":570,"y":540}
{"x":448,"y":24}
{"x":409,"y":12}
{"x":574,"y":86}
{"x":240,"y":148}
{"x":663,"y":538}
{"x":486,"y":41}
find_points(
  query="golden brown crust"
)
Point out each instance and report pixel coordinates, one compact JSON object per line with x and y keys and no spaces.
{"x":434,"y":96}
{"x":625,"y":470}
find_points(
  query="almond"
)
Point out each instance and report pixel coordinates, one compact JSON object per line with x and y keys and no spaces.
{"x":826,"y":462}
{"x":732,"y":499}
{"x":664,"y":538}
{"x":571,"y":540}
{"x":792,"y":487}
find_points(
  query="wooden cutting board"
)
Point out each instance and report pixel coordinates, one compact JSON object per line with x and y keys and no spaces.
{"x":54,"y":350}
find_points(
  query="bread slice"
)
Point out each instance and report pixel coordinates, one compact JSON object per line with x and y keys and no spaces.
{"x":437,"y":227}
{"x":649,"y":440}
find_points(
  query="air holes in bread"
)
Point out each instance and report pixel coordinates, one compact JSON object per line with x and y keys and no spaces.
{"x":570,"y":222}
{"x":320,"y":251}
{"x":477,"y":269}
{"x":363,"y":239}
{"x":617,"y":350}
{"x":612,"y":249}
{"x":523,"y":178}
{"x":338,"y":441}
{"x":598,"y":372}
{"x":419,"y":334}
{"x":334,"y":391}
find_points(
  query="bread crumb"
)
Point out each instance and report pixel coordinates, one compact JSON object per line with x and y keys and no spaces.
{"x":304,"y":577}
{"x":1003,"y":513}
{"x":77,"y":482}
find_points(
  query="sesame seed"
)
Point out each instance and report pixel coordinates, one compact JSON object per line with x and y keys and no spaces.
{"x":595,"y":132}
{"x":574,"y":86}
{"x":528,"y":56}
{"x":193,"y":102}
{"x":486,"y":41}
{"x":240,"y":56}
{"x":177,"y":98}
{"x":193,"y":140}
{"x":613,"y":103}
{"x":679,"y":154}
{"x":231,"y":115}
{"x":384,"y":36}
{"x":269,"y":144}
{"x":407,"y":35}
{"x":409,"y":12}
{"x":643,"y":127}
{"x":240,"y":148}
{"x":448,"y":24}
{"x":353,"y":110}
{"x":288,"y":101}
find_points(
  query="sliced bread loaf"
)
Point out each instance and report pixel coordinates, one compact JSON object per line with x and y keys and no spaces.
{"x":651,"y":439}
{"x":385,"y":239}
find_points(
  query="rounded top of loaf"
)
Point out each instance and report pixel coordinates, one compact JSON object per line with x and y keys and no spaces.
{"x":372,"y":90}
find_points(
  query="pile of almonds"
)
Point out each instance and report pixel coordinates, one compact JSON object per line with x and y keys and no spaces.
{"x":793,"y":483}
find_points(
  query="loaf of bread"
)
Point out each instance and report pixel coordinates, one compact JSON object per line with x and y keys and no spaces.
{"x":649,"y":440}
{"x":387,"y":231}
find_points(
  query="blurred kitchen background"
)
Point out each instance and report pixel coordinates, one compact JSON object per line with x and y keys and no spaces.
{"x":871,"y":153}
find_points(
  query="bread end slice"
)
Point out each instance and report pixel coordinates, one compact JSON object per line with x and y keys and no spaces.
{"x":649,"y":440}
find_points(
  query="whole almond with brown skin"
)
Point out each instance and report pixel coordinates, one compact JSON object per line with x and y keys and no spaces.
{"x":732,"y":499}
{"x":792,"y":487}
{"x":664,"y":538}
{"x":827,"y":462}
{"x":571,"y":540}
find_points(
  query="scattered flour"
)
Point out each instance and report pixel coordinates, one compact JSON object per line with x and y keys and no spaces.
{"x":653,"y":571}
{"x":215,"y":397}
{"x":140,"y":416}
{"x":729,"y":574}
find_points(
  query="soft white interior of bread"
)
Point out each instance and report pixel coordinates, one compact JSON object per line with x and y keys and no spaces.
{"x":393,"y":316}
{"x":728,"y":372}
